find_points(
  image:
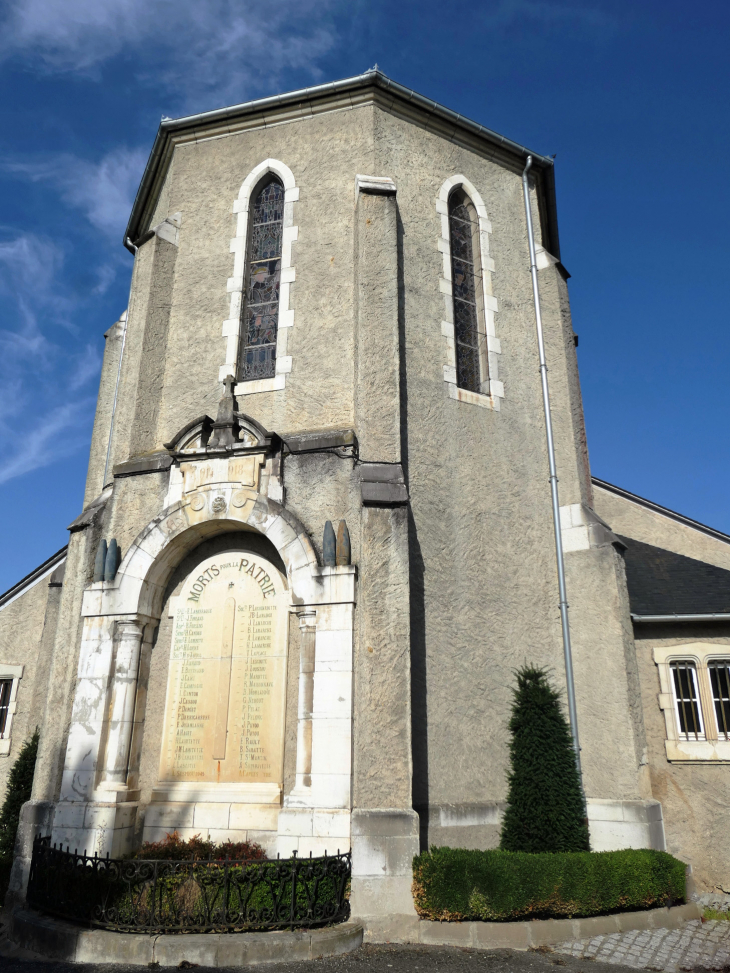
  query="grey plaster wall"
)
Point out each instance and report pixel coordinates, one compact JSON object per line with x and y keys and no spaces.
{"x":324,"y":155}
{"x":694,"y":796}
{"x":135,"y":502}
{"x":21,"y":634}
{"x":651,"y":527}
{"x":56,"y":718}
{"x":102,"y":419}
{"x":154,"y":345}
{"x":460,"y":589}
{"x":483,"y":580}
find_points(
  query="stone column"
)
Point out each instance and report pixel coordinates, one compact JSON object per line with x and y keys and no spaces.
{"x":307,"y":624}
{"x":384,"y":824}
{"x":316,"y":813}
{"x":96,"y":812}
{"x":123,"y":696}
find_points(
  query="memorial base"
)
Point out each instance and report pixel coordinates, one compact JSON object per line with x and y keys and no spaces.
{"x":95,"y":827}
{"x":315,"y":831}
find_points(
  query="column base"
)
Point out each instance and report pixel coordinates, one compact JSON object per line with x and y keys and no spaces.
{"x":36,"y":818}
{"x":614,"y":825}
{"x":316,"y":830}
{"x":384,"y":843}
{"x":96,"y":827}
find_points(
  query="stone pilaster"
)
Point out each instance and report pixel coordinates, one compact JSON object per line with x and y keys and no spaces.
{"x":384,"y":824}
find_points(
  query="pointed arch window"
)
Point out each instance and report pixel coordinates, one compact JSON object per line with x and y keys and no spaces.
{"x":262,"y":283}
{"x":467,"y":289}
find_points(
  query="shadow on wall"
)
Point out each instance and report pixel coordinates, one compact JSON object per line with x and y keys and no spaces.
{"x":419,"y":714}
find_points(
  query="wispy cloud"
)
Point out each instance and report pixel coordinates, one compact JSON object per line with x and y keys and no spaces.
{"x":103,"y":191}
{"x":35,"y":427}
{"x":62,"y":432}
{"x":221,"y":47}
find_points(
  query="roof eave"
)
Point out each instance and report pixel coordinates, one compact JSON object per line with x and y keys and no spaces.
{"x":376,"y":79}
{"x":665,"y":619}
{"x":44,"y":569}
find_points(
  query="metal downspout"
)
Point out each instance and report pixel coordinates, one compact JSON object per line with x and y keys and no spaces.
{"x":119,"y":372}
{"x":563,"y":604}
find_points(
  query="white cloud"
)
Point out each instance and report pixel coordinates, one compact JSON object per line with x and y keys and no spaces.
{"x":61,"y":432}
{"x":192,"y":48}
{"x":104,"y":191}
{"x":85,"y":368}
{"x":36,"y":427}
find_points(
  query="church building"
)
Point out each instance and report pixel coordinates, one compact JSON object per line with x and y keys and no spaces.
{"x":317,"y":538}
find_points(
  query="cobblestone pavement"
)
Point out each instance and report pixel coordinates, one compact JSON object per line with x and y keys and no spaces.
{"x":696,"y":944}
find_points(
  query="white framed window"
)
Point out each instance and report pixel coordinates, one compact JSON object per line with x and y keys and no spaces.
{"x":471,"y":346}
{"x":687,"y":700}
{"x":246,"y":356}
{"x":719,"y":672}
{"x":10,"y":677}
{"x":694,"y":680}
{"x":257,"y":357}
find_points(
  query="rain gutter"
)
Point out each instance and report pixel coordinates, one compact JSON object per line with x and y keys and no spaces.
{"x":700,"y":617}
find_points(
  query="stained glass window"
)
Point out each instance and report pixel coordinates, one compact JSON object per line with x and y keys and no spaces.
{"x":263,"y":273}
{"x":466,"y":281}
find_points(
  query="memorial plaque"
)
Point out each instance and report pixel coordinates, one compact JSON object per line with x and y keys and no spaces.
{"x":226,"y":688}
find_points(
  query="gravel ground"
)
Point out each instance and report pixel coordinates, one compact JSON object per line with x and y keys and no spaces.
{"x":377,"y":959}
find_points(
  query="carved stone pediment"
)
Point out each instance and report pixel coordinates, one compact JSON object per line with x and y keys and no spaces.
{"x":195,"y":437}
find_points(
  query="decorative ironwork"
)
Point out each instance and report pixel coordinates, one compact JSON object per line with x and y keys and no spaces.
{"x":261,"y":314}
{"x":136,"y":895}
{"x":462,"y":229}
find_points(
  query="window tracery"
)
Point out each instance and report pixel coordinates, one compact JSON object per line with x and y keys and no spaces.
{"x":471,"y":362}
{"x":263,"y":280}
{"x":471,"y":346}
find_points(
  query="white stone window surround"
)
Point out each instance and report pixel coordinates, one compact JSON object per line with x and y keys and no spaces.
{"x":236,"y":283}
{"x":678,"y":749}
{"x":16,"y":674}
{"x":491,"y":398}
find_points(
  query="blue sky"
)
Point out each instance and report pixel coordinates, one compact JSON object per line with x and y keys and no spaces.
{"x":631,"y":97}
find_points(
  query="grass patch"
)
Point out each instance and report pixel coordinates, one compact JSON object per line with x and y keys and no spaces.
{"x":710,"y":913}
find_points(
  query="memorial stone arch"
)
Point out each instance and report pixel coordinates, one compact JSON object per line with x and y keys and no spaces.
{"x":230,"y":639}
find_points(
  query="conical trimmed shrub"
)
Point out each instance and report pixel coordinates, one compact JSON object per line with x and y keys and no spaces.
{"x":545,"y":810}
{"x":20,"y":784}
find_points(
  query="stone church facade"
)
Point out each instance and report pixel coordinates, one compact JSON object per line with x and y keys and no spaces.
{"x":316,"y":539}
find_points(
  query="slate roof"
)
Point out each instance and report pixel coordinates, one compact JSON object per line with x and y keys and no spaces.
{"x":664,"y":583}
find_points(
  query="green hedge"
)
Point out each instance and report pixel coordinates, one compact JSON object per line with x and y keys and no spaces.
{"x":455,"y":884}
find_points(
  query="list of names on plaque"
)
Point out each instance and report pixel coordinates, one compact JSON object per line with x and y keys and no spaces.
{"x":224,"y":713}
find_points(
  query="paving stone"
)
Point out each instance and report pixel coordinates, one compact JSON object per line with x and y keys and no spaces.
{"x":696,"y":944}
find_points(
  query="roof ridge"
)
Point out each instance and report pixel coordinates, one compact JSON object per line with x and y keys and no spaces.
{"x":666,"y":511}
{"x":34,"y":576}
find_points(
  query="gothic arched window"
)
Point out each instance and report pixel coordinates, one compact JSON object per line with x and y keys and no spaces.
{"x":261,"y":285}
{"x":467,"y":289}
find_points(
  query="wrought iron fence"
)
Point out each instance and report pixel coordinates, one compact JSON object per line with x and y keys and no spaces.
{"x":141,"y":895}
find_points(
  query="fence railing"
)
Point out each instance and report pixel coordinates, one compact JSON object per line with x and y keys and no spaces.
{"x":142,"y":895}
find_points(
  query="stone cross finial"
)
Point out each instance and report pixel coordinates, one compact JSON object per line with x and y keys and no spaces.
{"x":225,"y":428}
